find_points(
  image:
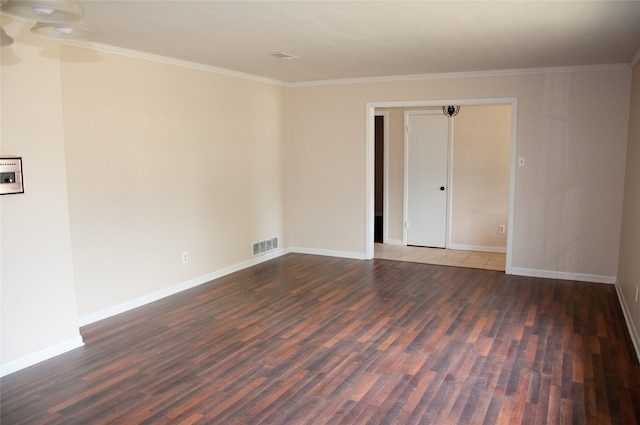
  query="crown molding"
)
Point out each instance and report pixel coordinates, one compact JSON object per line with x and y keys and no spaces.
{"x":136,"y":54}
{"x":104,"y":48}
{"x":466,"y":74}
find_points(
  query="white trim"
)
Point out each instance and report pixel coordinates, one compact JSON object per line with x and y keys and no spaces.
{"x":136,"y":54}
{"x":462,"y":247}
{"x":633,"y":332}
{"x":330,"y":253}
{"x":370,"y":177}
{"x":394,"y":242}
{"x":174,"y":289}
{"x":635,"y":58}
{"x":467,"y":74}
{"x":104,"y":48}
{"x":405,"y":176}
{"x":440,"y":102}
{"x":41,"y":355}
{"x":512,"y":184}
{"x":551,"y":274}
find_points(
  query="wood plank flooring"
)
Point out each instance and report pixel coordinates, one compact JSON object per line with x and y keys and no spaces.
{"x":307,"y":339}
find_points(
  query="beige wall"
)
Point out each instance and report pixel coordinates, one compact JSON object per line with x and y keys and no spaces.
{"x":572,"y":128}
{"x":629,"y":268}
{"x":163,"y":160}
{"x":38,"y":310}
{"x":480,"y":170}
{"x":325,"y":163}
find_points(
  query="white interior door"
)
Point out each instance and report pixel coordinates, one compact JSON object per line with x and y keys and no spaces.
{"x":426,"y":177}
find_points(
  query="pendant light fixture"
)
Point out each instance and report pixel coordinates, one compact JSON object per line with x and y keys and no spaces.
{"x":5,"y":40}
{"x":74,"y":31}
{"x":56,"y":19}
{"x":53,"y":11}
{"x":451,"y":110}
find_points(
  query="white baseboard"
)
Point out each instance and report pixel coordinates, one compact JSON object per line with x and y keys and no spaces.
{"x":633,"y":332}
{"x":174,"y":289}
{"x":394,"y":242}
{"x":481,"y":248}
{"x":41,"y":355}
{"x":549,"y":274}
{"x":330,"y":253}
{"x":71,"y":344}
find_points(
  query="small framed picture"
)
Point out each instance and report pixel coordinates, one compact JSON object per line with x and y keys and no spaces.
{"x":11,"y":176}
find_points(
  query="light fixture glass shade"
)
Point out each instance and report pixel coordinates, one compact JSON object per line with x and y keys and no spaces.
{"x":5,"y":40}
{"x":74,"y":31}
{"x":51,"y":11}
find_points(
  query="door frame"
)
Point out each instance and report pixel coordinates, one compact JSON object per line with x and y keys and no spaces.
{"x":370,"y":111}
{"x":405,"y":202}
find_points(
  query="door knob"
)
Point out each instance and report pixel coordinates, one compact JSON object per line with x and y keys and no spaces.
{"x":441,"y":187}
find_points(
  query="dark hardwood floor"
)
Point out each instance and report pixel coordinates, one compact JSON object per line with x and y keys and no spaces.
{"x":307,"y":339}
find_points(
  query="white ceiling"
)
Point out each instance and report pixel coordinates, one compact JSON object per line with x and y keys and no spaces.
{"x":357,"y":39}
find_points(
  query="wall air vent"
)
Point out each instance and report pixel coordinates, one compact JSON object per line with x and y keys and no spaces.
{"x":283,"y":56}
{"x":265,"y":245}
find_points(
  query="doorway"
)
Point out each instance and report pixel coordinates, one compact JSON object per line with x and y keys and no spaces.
{"x":380,"y":143}
{"x":375,"y":108}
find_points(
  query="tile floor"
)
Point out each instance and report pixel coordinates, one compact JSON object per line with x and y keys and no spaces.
{"x":446,"y":257}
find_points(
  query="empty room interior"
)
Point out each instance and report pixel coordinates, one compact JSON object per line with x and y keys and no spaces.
{"x":264,"y":212}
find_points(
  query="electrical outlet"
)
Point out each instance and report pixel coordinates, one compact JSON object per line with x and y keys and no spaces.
{"x":501,"y":228}
{"x":185,"y":257}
